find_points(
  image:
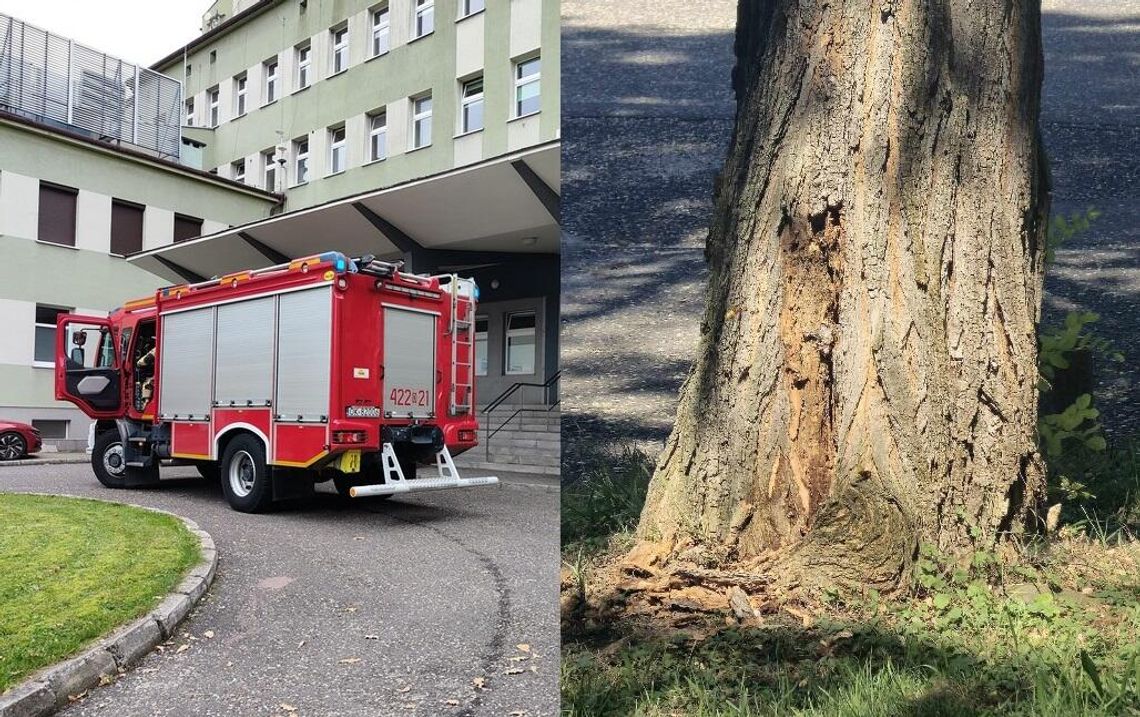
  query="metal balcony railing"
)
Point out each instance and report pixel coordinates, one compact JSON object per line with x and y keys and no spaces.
{"x":56,"y":81}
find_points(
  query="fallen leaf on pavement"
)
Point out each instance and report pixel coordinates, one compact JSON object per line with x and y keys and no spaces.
{"x":478,"y":682}
{"x":288,"y":707}
{"x":514,"y":671}
{"x":182,"y":648}
{"x":350,"y":661}
{"x":453,"y":703}
{"x":209,"y":634}
{"x":358,"y":537}
{"x":301,"y":643}
{"x":405,"y":688}
{"x":518,"y":658}
{"x":517,"y":713}
{"x":523,"y":647}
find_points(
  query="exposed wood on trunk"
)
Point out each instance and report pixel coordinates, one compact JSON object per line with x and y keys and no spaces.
{"x":866,"y":378}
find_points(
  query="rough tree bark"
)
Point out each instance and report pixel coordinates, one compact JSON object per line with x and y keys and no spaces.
{"x":866,"y":378}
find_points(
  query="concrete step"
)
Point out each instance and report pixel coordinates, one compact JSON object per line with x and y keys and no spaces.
{"x":490,"y":467}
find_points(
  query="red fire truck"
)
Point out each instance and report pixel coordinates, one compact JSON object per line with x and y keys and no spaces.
{"x":274,"y":379}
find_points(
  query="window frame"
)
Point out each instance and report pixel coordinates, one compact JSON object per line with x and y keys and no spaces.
{"x":36,"y":361}
{"x":521,"y":82}
{"x":213,"y":107}
{"x":237,"y":169}
{"x":241,"y":95}
{"x":465,"y":102}
{"x":60,"y":189}
{"x":420,"y":10}
{"x":303,"y":54}
{"x":485,"y":338}
{"x":466,"y":11}
{"x":269,"y":164}
{"x":188,"y":115}
{"x":300,"y":159}
{"x":418,"y":117}
{"x":337,"y":49}
{"x":507,"y":342}
{"x":379,"y":28}
{"x":142,"y":226}
{"x":335,"y":146}
{"x":269,"y":70}
{"x":373,"y":133}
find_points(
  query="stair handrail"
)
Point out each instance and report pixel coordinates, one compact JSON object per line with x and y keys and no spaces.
{"x":510,"y":391}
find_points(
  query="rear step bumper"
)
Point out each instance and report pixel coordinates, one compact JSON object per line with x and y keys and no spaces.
{"x":394,"y":481}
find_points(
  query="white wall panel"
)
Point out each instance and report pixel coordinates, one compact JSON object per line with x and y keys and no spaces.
{"x":158,"y":227}
{"x":93,"y":221}
{"x":469,"y":45}
{"x":18,"y":319}
{"x":526,"y":26}
{"x":19,"y":205}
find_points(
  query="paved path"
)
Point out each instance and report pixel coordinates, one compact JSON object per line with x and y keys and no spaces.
{"x":364,"y":608}
{"x":647,"y":114}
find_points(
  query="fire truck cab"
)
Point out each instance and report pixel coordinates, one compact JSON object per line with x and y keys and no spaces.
{"x":275,"y":379}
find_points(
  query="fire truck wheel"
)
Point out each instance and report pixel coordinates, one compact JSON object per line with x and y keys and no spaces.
{"x":107,"y":460}
{"x":245,"y":476}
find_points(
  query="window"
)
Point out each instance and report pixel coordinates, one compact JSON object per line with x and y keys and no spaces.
{"x":270,"y":68}
{"x":520,"y":343}
{"x":45,"y":332}
{"x":527,"y":87}
{"x":212,"y":97}
{"x":189,"y":70}
{"x":471,"y":98}
{"x":380,"y":28}
{"x":186,"y":227}
{"x":377,"y":136}
{"x":340,"y":50}
{"x":304,"y":62}
{"x":240,"y":91}
{"x":421,"y":122}
{"x":338,"y":150}
{"x":301,"y":160}
{"x":237,"y":170}
{"x":50,"y":428}
{"x":126,"y":227}
{"x":213,"y":56}
{"x":269,"y":170}
{"x":57,"y":214}
{"x":190,"y":112}
{"x":425,"y":18}
{"x":470,"y":7}
{"x":481,"y":325}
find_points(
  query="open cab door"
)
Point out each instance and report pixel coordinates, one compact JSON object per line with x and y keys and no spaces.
{"x":86,"y":365}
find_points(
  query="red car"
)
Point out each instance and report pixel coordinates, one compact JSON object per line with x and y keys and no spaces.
{"x":18,"y":440}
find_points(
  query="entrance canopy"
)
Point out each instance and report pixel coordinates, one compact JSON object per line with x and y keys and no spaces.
{"x":505,"y":205}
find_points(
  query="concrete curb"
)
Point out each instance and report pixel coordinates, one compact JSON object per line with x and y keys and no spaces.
{"x":47,"y":459}
{"x":51,"y":688}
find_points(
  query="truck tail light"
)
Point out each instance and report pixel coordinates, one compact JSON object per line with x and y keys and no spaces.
{"x":344,"y":437}
{"x":466,"y":436}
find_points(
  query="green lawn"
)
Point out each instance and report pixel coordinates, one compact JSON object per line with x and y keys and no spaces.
{"x":71,"y":570}
{"x":1057,"y":633}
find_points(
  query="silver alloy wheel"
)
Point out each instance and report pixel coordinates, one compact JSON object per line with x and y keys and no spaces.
{"x":11,"y":446}
{"x":242,"y":473}
{"x":113,"y":461}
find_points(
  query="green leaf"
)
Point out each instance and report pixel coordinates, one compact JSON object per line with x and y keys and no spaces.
{"x":941,"y":601}
{"x":1096,"y":443}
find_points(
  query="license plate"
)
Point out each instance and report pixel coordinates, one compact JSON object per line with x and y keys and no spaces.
{"x":349,"y":462}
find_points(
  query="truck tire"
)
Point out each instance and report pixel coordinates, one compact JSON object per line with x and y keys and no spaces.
{"x":108,"y":461}
{"x":245,"y":475}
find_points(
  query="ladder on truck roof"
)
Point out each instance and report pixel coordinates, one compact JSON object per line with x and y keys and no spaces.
{"x":462,"y":350}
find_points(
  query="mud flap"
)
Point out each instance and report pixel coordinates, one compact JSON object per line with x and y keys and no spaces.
{"x":290,"y":483}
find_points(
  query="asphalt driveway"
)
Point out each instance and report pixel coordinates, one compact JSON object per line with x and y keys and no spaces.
{"x":414,"y":606}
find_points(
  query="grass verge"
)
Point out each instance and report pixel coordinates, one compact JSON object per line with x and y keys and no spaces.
{"x":72,"y":570}
{"x":1057,"y":633}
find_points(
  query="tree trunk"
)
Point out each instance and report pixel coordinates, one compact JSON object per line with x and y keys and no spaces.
{"x":866,"y":377}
